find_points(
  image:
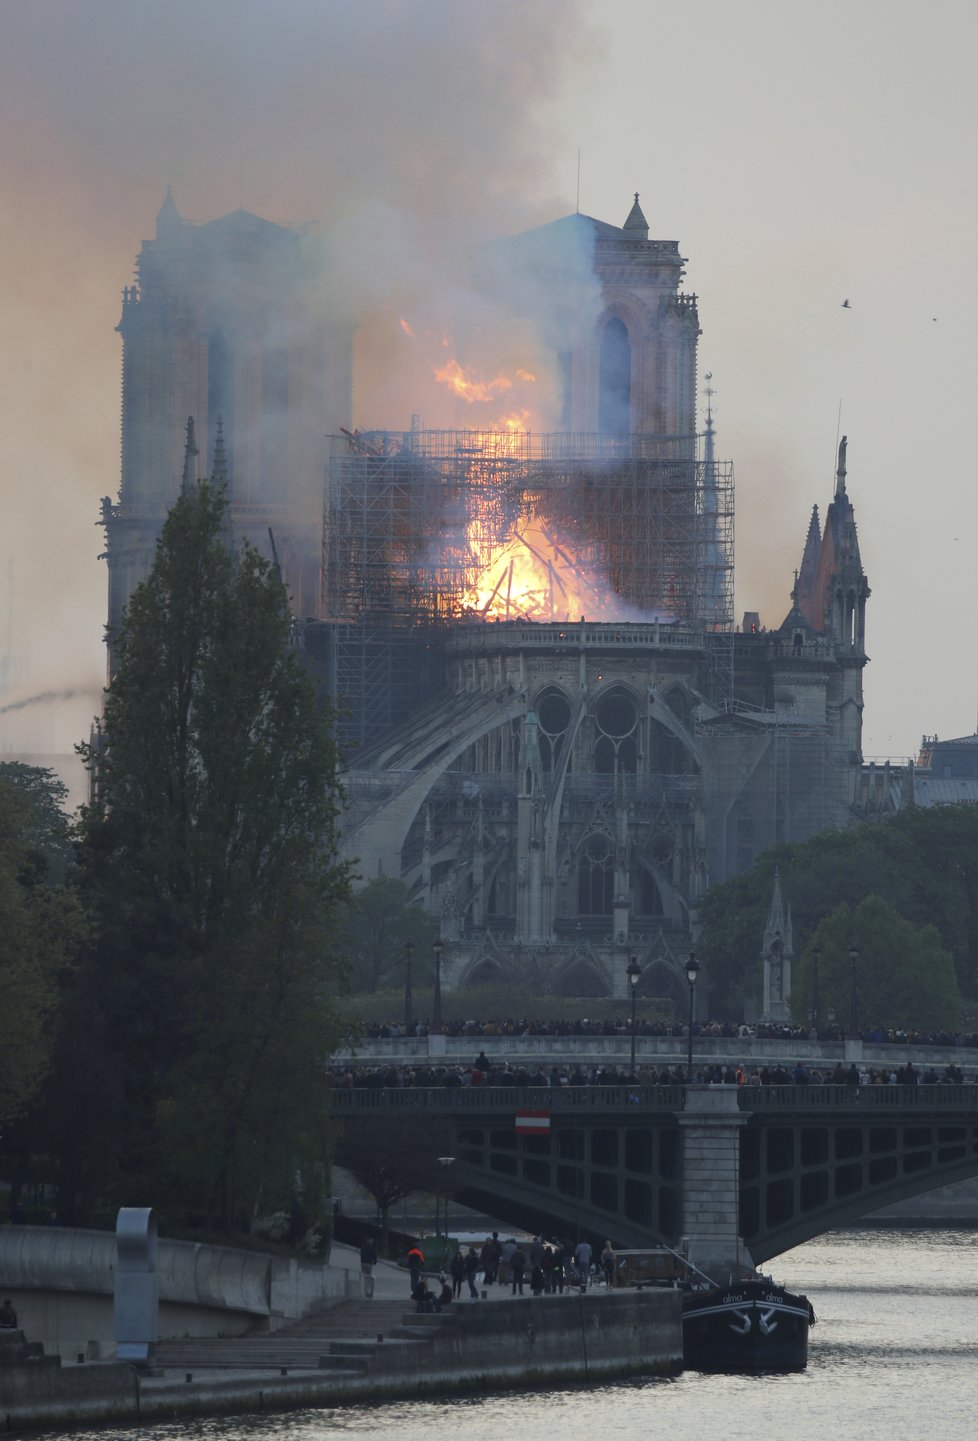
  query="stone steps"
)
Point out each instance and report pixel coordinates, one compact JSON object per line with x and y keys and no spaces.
{"x":344,"y":1338}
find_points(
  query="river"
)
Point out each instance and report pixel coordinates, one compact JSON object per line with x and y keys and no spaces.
{"x":893,"y":1357}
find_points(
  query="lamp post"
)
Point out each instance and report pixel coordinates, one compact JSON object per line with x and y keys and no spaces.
{"x":436,"y":997}
{"x":444,"y":1162}
{"x":853,"y":995}
{"x":692,"y":969}
{"x":408,"y":1000}
{"x":816,"y":957}
{"x":633,"y":971}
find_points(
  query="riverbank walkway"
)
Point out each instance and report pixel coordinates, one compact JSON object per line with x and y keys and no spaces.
{"x":302,"y":1345}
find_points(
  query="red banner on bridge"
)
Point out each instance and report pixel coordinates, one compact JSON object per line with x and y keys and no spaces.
{"x":533,"y":1122}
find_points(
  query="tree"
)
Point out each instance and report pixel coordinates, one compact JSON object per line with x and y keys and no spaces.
{"x":923,"y":863}
{"x":394,"y":1156}
{"x":904,"y":976}
{"x":373,"y":928}
{"x":210,"y":860}
{"x":41,"y":928}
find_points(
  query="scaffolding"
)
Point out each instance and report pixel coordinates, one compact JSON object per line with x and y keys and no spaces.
{"x":413,"y":520}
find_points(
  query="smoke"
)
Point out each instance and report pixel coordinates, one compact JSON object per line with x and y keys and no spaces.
{"x":406,"y":134}
{"x":44,"y":697}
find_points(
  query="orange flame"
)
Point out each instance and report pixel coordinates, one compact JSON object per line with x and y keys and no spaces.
{"x":469,"y":388}
{"x":534,"y":576}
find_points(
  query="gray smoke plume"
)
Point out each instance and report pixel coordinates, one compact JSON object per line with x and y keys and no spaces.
{"x":43,"y":697}
{"x":404,"y":134}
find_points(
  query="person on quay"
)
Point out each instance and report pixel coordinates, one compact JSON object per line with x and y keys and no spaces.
{"x":458,"y":1273}
{"x":517,"y":1268}
{"x":608,"y":1262}
{"x":582,"y":1260}
{"x":368,"y":1260}
{"x":471,"y":1271}
{"x":8,"y":1316}
{"x":415,"y":1260}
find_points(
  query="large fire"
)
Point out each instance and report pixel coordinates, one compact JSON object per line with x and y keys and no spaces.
{"x":534,"y":576}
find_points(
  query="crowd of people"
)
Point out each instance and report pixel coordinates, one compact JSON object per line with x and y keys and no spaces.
{"x":538,"y":1267}
{"x":483,"y":1072}
{"x":621,"y":1027}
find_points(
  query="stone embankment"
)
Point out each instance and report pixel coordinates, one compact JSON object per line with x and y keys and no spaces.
{"x":363,"y":1351}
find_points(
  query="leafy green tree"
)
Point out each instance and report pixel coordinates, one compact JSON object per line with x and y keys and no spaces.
{"x":41,"y":928}
{"x":904,"y":976}
{"x":373,"y":928}
{"x":210,"y":862}
{"x":922,"y":862}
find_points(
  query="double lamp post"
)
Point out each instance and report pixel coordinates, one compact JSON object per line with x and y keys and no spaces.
{"x":436,"y":1021}
{"x":692,"y":968}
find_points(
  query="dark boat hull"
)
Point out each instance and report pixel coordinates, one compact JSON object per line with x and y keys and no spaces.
{"x":752,"y":1327}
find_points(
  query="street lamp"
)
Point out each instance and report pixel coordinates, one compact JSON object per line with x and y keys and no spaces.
{"x":816,"y":957}
{"x":408,"y":1001}
{"x":633,"y":971}
{"x":436,"y":998}
{"x":853,"y":996}
{"x":444,"y":1162}
{"x":692,"y":969}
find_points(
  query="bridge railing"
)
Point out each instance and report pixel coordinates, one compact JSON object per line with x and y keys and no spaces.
{"x":503,"y":1099}
{"x":500,"y":1100}
{"x":841,"y":1098}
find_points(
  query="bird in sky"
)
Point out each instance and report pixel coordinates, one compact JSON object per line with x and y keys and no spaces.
{"x":846,"y":305}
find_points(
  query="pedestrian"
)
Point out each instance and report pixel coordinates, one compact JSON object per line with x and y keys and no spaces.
{"x":536,"y":1280}
{"x":608,"y":1260}
{"x":495,"y":1254}
{"x":457,"y":1269}
{"x":582,"y":1259}
{"x":8,"y":1316}
{"x":415,"y":1260}
{"x":471,"y":1271}
{"x":517,"y":1268}
{"x":368,"y":1260}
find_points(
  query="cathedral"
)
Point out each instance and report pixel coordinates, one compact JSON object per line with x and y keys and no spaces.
{"x":556,"y":734}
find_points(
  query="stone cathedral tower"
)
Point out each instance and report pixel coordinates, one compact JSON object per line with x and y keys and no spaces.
{"x":224,"y":323}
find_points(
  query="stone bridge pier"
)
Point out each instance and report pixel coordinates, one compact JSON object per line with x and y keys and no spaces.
{"x":710,"y":1124}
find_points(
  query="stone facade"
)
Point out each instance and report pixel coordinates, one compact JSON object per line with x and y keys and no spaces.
{"x":559,"y":793}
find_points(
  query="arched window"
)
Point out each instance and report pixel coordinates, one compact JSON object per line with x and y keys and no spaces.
{"x":616,"y":744}
{"x":595,"y":877}
{"x":553,"y":717}
{"x":615,"y":385}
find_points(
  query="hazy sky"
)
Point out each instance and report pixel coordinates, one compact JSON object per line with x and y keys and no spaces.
{"x":801,"y":155}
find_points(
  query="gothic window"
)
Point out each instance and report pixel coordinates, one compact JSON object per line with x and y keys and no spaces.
{"x":595,"y":877}
{"x":616,"y":743}
{"x":553,"y":717}
{"x":615,"y":392}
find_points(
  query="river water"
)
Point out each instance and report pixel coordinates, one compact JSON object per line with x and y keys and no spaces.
{"x":894,"y":1357}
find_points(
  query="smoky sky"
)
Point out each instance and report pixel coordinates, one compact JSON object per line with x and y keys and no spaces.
{"x":404,"y":135}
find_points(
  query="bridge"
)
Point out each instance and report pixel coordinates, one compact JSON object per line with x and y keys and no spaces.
{"x":529,"y":1050}
{"x":732,"y":1168}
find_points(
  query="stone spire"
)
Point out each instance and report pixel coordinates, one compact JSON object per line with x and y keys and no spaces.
{"x":190,"y":452}
{"x":776,"y":955}
{"x":840,"y":474}
{"x":169,"y":221}
{"x":219,"y":472}
{"x":636,"y":225}
{"x":809,"y":559}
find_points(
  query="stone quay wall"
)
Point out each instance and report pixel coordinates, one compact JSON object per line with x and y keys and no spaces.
{"x":62,"y":1284}
{"x":524,"y":1343}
